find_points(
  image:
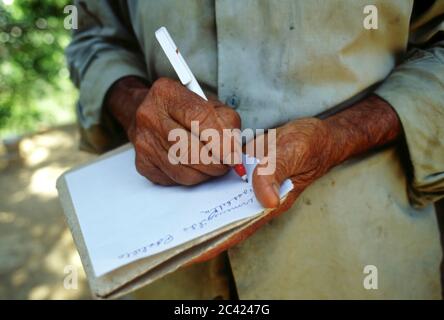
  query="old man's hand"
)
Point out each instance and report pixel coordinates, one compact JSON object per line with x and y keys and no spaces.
{"x":169,"y":106}
{"x":306,"y":149}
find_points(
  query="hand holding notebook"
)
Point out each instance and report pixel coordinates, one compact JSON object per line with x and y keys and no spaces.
{"x":119,"y":218}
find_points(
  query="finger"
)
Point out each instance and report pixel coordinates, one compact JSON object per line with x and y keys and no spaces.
{"x":266,"y":186}
{"x":165,"y":126}
{"x":167,"y":132}
{"x":185,"y":107}
{"x":159,"y":157}
{"x":199,"y":117}
{"x":181,"y":104}
{"x":229,"y":117}
{"x":147,"y":169}
{"x":231,"y":151}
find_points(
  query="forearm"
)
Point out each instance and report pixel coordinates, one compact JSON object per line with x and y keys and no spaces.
{"x":123,"y":99}
{"x":370,"y":123}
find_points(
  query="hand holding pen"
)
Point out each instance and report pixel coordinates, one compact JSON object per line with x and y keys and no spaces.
{"x":187,"y":78}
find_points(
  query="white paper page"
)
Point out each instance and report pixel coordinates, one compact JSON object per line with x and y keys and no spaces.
{"x":124,"y":217}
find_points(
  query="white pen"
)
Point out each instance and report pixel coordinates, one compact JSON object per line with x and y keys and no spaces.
{"x":186,"y":77}
{"x":178,"y":62}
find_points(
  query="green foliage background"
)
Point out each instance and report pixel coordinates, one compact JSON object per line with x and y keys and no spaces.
{"x":35,"y":91}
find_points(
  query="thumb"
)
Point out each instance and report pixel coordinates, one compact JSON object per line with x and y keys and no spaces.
{"x":266,"y":186}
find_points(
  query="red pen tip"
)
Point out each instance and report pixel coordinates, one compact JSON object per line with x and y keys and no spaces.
{"x":241,"y":172}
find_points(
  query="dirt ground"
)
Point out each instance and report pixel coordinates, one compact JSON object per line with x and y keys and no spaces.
{"x":36,"y":248}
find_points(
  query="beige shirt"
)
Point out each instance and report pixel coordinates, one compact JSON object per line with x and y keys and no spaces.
{"x":276,"y":61}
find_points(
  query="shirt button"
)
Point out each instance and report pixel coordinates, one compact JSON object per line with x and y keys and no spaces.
{"x":232,"y":101}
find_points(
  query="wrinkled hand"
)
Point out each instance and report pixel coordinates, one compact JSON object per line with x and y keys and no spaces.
{"x":303,"y":154}
{"x":167,"y":106}
{"x":307,"y":148}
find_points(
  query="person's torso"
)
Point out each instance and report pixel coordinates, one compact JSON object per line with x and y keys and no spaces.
{"x":275,"y":61}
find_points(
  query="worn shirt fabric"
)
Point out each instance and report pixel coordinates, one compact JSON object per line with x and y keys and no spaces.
{"x":276,"y":61}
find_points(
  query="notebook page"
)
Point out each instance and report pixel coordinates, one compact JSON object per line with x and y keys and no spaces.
{"x":124,"y":217}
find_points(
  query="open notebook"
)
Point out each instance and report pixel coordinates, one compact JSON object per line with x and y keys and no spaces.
{"x":130,"y":232}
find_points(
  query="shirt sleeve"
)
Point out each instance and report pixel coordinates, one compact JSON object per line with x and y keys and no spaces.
{"x":415,"y":89}
{"x":103,"y":49}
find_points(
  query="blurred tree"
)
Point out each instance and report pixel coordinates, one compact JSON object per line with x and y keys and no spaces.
{"x":34,"y":86}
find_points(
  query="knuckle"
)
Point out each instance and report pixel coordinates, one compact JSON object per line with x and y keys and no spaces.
{"x":161,"y":85}
{"x":145,"y":118}
{"x":138,"y":146}
{"x":139,"y":116}
{"x":229,"y":116}
{"x":205,"y":115}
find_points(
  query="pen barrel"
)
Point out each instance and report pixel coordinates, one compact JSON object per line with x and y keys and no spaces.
{"x":195,"y":87}
{"x":240,"y":170}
